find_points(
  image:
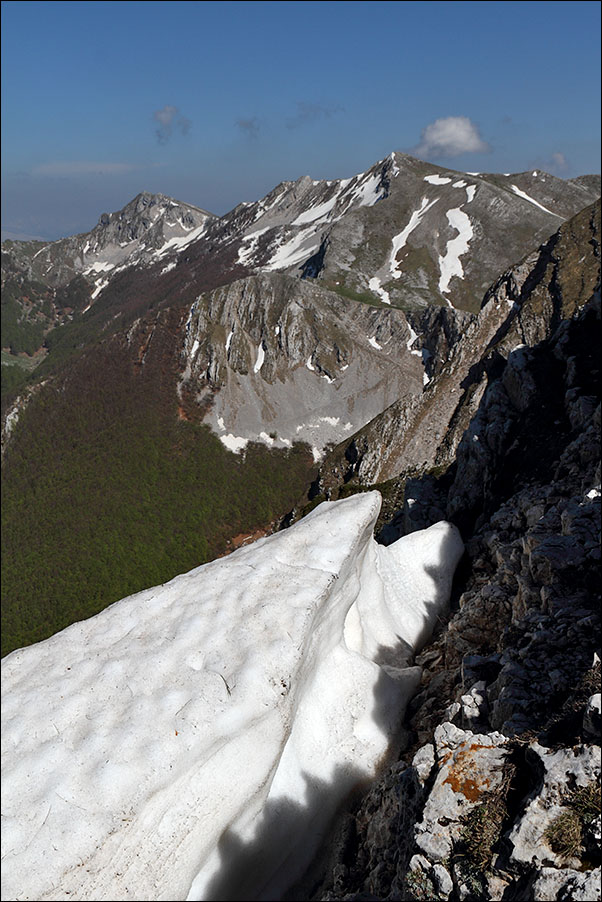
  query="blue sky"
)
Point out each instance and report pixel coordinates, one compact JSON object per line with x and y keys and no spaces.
{"x":215,"y":103}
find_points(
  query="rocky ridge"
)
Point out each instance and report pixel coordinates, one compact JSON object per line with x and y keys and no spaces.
{"x":521,"y":309}
{"x":370,"y":235}
{"x":497,"y":791}
{"x":148,"y":228}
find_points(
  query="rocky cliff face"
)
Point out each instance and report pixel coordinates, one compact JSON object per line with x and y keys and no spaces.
{"x":280,"y":360}
{"x":523,"y":308}
{"x":497,"y":794}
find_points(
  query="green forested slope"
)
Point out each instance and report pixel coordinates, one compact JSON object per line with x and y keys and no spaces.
{"x":107,"y":490}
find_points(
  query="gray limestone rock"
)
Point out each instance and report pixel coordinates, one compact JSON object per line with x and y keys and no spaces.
{"x":563,"y":770}
{"x":469,"y":765}
{"x":567,"y":884}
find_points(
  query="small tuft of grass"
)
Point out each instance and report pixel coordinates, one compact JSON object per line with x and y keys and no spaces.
{"x":481,"y":831}
{"x":565,"y":835}
{"x":586,"y":801}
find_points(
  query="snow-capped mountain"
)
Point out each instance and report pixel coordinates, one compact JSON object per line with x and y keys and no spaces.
{"x":147,"y":229}
{"x":404,"y":232}
{"x":523,"y":307}
{"x":283,"y":353}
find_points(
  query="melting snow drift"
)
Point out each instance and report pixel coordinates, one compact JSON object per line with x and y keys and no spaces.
{"x":193,"y":741}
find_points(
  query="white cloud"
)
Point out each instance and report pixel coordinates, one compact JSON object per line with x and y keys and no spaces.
{"x":450,"y":137}
{"x":82,"y":167}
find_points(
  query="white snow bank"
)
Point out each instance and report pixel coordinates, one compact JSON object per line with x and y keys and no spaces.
{"x":99,"y":267}
{"x":233,"y":442}
{"x":449,"y":264}
{"x":367,"y":193}
{"x":411,"y":340}
{"x":295,"y":250}
{"x":260,"y":358}
{"x":179,"y":243}
{"x":192,"y":741}
{"x":399,"y":241}
{"x":375,"y":286}
{"x":532,"y":200}
{"x":245,"y":254}
{"x":315,"y":212}
{"x":437,"y":179}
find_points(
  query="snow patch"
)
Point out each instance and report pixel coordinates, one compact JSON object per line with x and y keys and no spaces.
{"x":374,"y":285}
{"x":245,"y":254}
{"x":411,"y":340}
{"x":229,"y":340}
{"x":437,"y":179}
{"x":450,"y":265}
{"x":372,"y":341}
{"x":367,"y":192}
{"x":100,"y":284}
{"x":179,"y":243}
{"x":260,"y":358}
{"x":295,"y":250}
{"x":169,"y":267}
{"x":315,"y":212}
{"x":532,"y":201}
{"x":399,"y":241}
{"x":99,"y":267}
{"x":234,"y":443}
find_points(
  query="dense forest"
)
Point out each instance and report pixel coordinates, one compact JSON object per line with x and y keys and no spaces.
{"x":110,"y":486}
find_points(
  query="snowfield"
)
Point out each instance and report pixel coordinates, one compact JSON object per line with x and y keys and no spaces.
{"x":193,"y":741}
